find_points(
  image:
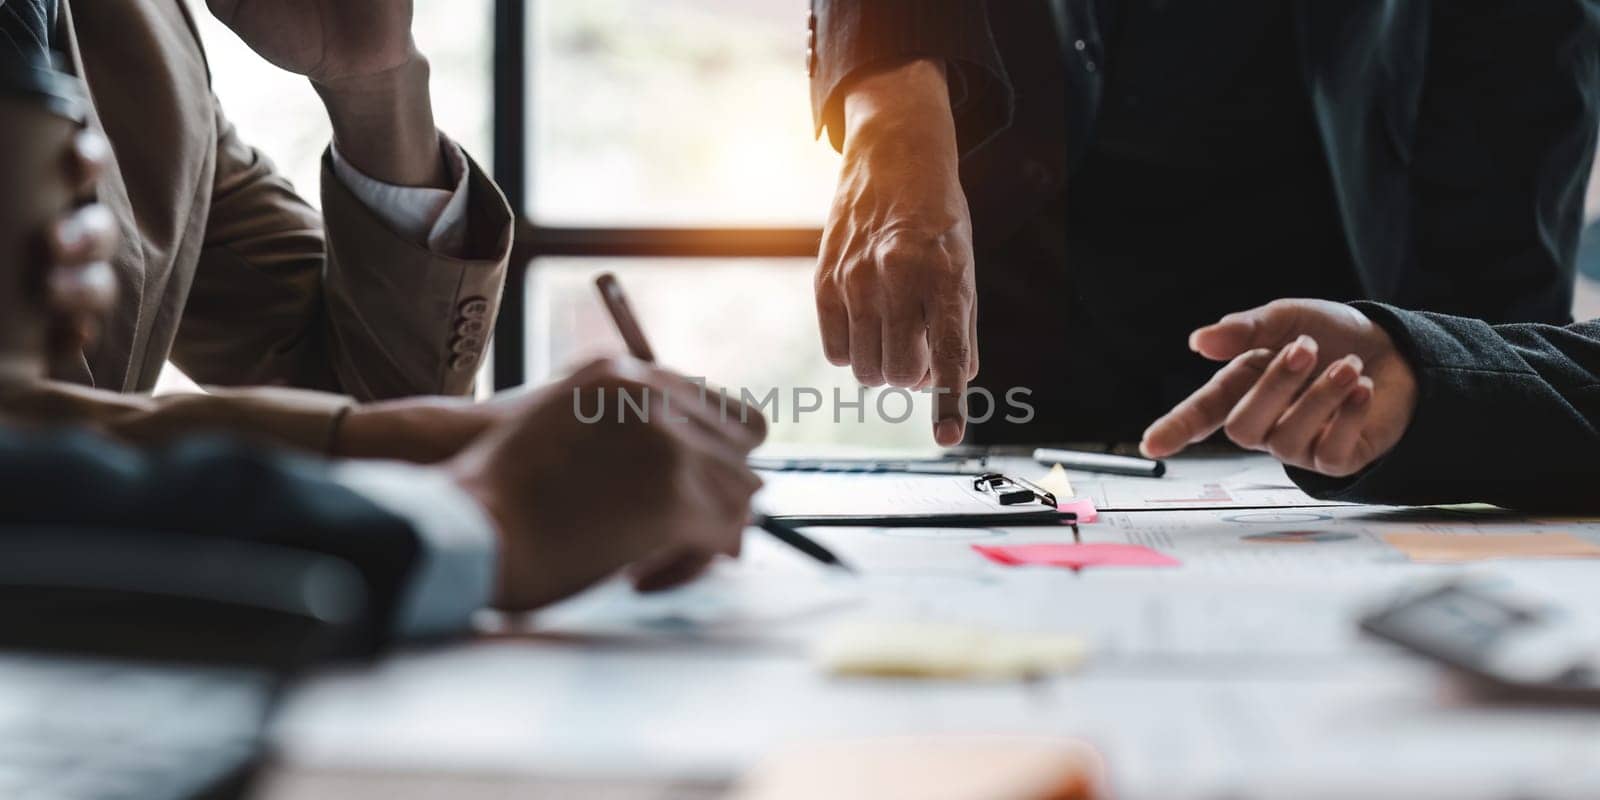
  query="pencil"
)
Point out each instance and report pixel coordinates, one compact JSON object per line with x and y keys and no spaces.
{"x":621,"y":312}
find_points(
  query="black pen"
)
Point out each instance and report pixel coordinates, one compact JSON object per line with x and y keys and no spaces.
{"x":790,"y":535}
{"x":616,"y":303}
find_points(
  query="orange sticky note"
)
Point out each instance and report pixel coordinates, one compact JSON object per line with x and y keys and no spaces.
{"x":1455,"y":548}
{"x":1075,"y":556}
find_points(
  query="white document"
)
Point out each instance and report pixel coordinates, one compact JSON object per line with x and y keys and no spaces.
{"x":821,"y":495}
{"x":1165,"y":494}
{"x":769,"y":596}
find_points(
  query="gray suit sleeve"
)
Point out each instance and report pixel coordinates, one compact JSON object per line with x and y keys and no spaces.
{"x":1506,"y":414}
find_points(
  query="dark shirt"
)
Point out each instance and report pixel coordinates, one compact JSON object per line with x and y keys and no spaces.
{"x":1420,"y":117}
{"x":25,"y":27}
{"x":1203,"y":192}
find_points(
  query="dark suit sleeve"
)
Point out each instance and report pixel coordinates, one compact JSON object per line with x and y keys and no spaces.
{"x":1506,"y":414}
{"x":1505,"y":134}
{"x":209,"y":487}
{"x":857,"y":36}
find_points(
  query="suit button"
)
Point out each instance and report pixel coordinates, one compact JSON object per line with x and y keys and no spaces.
{"x":811,"y":20}
{"x":472,"y":327}
{"x":464,"y":345}
{"x":463,"y":362}
{"x":475,"y":308}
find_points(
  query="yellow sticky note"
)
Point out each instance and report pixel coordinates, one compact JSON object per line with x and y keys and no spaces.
{"x":1056,"y":483}
{"x":932,"y":650}
{"x":1453,"y":548}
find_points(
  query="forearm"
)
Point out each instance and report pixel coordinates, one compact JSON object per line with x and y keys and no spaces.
{"x":278,"y":417}
{"x":383,"y":125}
{"x":421,"y":430}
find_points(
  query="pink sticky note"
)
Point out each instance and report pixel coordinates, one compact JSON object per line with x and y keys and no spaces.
{"x":1075,"y":556}
{"x":1082,"y":506}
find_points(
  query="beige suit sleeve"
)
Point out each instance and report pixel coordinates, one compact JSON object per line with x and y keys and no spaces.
{"x":283,"y":296}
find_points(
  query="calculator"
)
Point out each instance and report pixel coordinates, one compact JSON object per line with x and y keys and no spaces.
{"x":1502,"y":643}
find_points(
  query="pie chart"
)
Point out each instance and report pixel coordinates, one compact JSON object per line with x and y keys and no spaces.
{"x":1300,"y":537}
{"x":1278,"y":517}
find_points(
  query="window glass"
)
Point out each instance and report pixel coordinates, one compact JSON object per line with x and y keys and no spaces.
{"x":280,"y":114}
{"x":743,"y":324}
{"x":674,"y":113}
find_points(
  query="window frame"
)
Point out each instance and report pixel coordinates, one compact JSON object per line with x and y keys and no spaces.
{"x":512,"y":112}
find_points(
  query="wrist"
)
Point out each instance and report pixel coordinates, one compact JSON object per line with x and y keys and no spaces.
{"x":910,"y":98}
{"x":383,"y":124}
{"x":421,"y":430}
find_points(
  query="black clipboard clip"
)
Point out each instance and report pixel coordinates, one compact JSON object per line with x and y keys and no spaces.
{"x":1013,"y":491}
{"x":1009,"y":491}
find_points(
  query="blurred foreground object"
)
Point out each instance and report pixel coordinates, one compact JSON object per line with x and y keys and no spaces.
{"x":41,"y":111}
{"x":930,"y":768}
{"x":932,"y":650}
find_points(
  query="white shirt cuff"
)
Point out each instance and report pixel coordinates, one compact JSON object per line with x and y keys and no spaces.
{"x":455,"y":571}
{"x":434,"y":218}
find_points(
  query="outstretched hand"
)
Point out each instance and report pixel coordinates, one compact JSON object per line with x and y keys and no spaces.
{"x":1316,"y":384}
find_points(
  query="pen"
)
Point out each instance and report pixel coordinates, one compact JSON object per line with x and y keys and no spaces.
{"x":906,"y":466}
{"x":1101,"y":462}
{"x":789,"y":535}
{"x":622,"y":317}
{"x":616,"y":303}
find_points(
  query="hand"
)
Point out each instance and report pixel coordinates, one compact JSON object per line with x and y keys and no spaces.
{"x":360,"y":56}
{"x":896,"y":296}
{"x":327,"y":41}
{"x":576,"y":501}
{"x":1295,"y":388}
{"x":80,"y":287}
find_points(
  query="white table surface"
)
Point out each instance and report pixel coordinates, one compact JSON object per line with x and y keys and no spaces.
{"x":1240,"y":674}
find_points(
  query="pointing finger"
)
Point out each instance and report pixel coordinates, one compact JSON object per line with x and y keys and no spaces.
{"x":1202,"y":413}
{"x":948,"y":327}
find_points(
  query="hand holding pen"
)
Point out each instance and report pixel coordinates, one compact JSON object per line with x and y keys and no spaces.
{"x":627,"y":324}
